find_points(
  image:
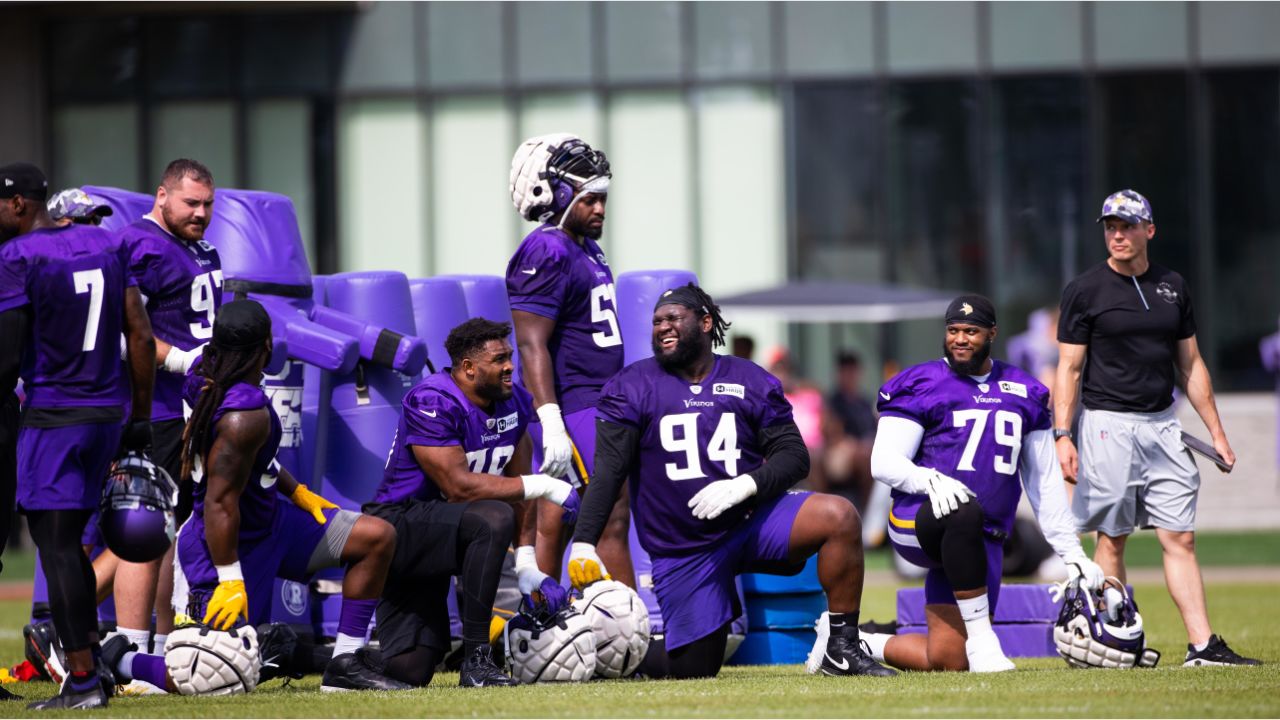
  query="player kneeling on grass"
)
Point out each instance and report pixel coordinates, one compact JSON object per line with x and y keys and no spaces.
{"x":459,"y":462}
{"x":711,"y":448}
{"x":955,"y":437}
{"x":240,"y":537}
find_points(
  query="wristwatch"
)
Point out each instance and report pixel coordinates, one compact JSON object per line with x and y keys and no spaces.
{"x":1060,"y":433}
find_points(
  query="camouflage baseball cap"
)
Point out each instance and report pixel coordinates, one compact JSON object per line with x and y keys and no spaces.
{"x":1128,"y":205}
{"x":75,"y":203}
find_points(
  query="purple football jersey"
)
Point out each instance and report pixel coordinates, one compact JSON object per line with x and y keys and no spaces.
{"x":553,"y":276}
{"x":437,"y":413}
{"x":691,"y":434}
{"x":183,"y":286}
{"x":259,"y":497}
{"x":973,"y":430}
{"x":74,"y":279}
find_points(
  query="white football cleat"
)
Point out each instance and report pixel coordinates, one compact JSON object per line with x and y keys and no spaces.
{"x":986,"y":656}
{"x":822,"y":626}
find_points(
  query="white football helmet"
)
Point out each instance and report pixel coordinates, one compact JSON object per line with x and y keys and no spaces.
{"x":550,"y":172}
{"x":546,"y":647}
{"x":204,"y":661}
{"x":1086,"y":636}
{"x":620,"y":622}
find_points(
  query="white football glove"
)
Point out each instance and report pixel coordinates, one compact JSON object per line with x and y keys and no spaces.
{"x":557,"y":449}
{"x":946,"y":493}
{"x":585,"y":566}
{"x":721,"y":495}
{"x":1087,"y":571}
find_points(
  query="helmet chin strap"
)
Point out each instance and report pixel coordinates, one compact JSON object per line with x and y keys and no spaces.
{"x":598,"y":185}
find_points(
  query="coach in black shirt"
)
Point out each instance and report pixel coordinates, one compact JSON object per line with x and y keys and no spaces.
{"x":1127,"y":326}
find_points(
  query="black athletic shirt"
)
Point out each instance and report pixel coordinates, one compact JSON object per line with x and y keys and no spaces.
{"x":1130,"y":363}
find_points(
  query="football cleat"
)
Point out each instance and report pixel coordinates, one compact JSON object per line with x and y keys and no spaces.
{"x":6,"y":695}
{"x":355,"y":671}
{"x":68,"y":699}
{"x":822,"y":626}
{"x":479,"y":670}
{"x":277,"y":643}
{"x":1217,"y":653}
{"x":44,"y":651}
{"x":844,"y":655}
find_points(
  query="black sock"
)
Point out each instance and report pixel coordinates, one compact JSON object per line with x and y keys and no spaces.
{"x":844,"y":624}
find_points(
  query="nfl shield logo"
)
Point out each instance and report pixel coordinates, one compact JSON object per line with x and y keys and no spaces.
{"x":695,"y":389}
{"x":984,"y":387}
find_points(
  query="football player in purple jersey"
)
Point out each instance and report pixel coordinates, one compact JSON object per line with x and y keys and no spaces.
{"x":180,"y":277}
{"x":958,"y":440}
{"x":240,"y":537}
{"x":458,"y":464}
{"x":66,"y":296}
{"x":709,"y":447}
{"x":565,"y":315}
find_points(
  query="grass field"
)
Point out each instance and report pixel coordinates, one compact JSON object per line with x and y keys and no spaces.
{"x":1041,"y":687}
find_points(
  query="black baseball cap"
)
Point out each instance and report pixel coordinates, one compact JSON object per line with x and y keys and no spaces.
{"x":23,"y":179}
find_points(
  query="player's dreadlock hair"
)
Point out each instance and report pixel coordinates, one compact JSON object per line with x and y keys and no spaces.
{"x":240,"y":332}
{"x":697,"y":299}
{"x":469,"y":337}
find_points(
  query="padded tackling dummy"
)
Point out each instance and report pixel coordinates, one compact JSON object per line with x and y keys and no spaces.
{"x":364,"y":404}
{"x":126,"y":206}
{"x":439,"y":305}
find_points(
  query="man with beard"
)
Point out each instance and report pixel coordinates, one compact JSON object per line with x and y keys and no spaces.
{"x":710,"y":447}
{"x":180,"y":275}
{"x":955,"y":437}
{"x":564,"y":311}
{"x":458,"y":463}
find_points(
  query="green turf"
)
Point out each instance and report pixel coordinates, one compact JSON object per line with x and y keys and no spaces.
{"x":1254,"y":547}
{"x":1042,"y":687}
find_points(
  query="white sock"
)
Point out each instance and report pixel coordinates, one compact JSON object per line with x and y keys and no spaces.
{"x":1201,"y":646}
{"x":876,"y":643}
{"x":141,"y":638}
{"x":157,"y":643}
{"x":347,"y":644}
{"x":977,"y":617}
{"x":126,"y":664}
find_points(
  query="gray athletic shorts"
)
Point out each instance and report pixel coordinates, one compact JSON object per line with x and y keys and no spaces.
{"x":1134,"y":472}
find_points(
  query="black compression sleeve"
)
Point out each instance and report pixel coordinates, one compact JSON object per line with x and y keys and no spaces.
{"x":786,"y":460}
{"x":13,"y":327}
{"x":616,"y":447}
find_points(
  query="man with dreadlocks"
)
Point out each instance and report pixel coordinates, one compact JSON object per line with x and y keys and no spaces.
{"x":711,"y":448}
{"x":240,"y":537}
{"x":458,"y":463}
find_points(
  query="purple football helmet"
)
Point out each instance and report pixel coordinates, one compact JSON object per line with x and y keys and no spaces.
{"x":136,"y":512}
{"x":1087,"y":634}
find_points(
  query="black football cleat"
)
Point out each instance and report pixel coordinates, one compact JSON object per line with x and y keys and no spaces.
{"x":43,"y":650}
{"x":1217,"y":653}
{"x":69,"y":699}
{"x":277,"y":643}
{"x":882,"y":628}
{"x":6,"y":695}
{"x":845,"y":656}
{"x":354,"y":671}
{"x":479,"y":670}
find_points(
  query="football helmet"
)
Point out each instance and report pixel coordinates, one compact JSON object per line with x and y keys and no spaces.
{"x":136,"y":511}
{"x":542,"y":646}
{"x":1088,"y":635}
{"x":550,"y":172}
{"x":620,"y":622}
{"x":204,"y":661}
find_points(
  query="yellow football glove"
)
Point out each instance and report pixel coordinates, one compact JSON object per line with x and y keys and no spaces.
{"x":311,"y":502}
{"x":230,"y":601}
{"x":585,"y":566}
